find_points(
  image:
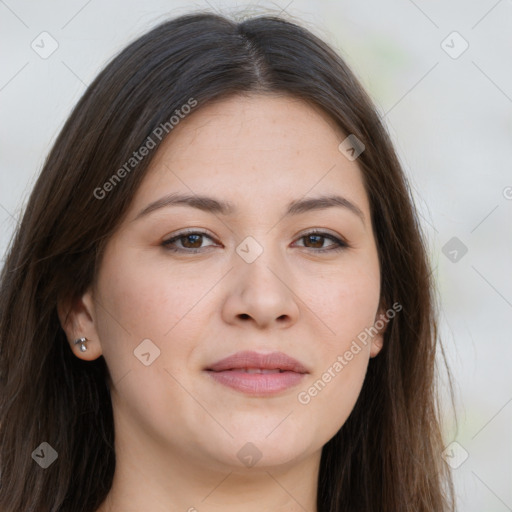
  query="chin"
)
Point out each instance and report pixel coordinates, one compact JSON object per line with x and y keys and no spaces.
{"x":257,"y":450}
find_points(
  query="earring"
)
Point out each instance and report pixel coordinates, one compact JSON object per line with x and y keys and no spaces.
{"x":83,"y":348}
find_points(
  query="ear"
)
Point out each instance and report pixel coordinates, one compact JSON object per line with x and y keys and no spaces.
{"x":77,"y":318}
{"x":380,"y":324}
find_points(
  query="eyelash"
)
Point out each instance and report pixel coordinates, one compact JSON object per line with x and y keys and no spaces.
{"x":339,"y":244}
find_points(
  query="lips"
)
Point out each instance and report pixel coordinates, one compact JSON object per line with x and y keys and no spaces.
{"x":258,"y":374}
{"x":276,"y":361}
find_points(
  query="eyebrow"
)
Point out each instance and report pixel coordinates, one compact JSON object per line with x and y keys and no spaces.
{"x":215,"y":206}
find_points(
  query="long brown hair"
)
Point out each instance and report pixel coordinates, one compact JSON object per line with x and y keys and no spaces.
{"x":387,"y":456}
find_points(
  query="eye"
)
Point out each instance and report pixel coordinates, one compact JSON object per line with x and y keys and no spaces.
{"x":191,"y":241}
{"x":316,"y":240}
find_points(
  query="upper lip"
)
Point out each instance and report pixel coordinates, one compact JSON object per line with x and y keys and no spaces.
{"x":249,"y":359}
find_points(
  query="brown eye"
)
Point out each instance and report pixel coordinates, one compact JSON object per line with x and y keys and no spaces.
{"x":315,"y":240}
{"x":190,"y":242}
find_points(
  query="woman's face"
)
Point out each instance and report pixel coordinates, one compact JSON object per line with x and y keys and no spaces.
{"x":252,"y":277}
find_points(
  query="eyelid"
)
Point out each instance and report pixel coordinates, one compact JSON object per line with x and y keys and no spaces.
{"x":189,"y":231}
{"x":320,"y":231}
{"x":339,"y":243}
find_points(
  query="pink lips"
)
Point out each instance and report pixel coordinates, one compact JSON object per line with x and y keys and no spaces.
{"x":258,"y":374}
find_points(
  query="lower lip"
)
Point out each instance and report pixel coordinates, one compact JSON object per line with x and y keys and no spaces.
{"x":257,"y":383}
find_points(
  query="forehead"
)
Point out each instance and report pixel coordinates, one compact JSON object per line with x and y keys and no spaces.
{"x":257,"y":148}
{"x":261,"y":117}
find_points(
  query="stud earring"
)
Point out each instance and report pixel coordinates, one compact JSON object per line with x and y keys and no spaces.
{"x":83,"y":348}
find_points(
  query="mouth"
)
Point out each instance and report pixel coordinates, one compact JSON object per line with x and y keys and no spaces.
{"x":256,"y":370}
{"x":258,"y":374}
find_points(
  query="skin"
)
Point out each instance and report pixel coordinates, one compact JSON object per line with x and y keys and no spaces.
{"x":178,"y":432}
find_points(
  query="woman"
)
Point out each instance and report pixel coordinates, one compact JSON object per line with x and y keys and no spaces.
{"x":219,"y":295}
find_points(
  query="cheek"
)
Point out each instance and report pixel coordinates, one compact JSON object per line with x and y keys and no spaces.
{"x":137,"y":303}
{"x":333,"y":390}
{"x":145,"y":310}
{"x":166,"y":304}
{"x":333,"y":393}
{"x":148,"y":300}
{"x":346,"y":301}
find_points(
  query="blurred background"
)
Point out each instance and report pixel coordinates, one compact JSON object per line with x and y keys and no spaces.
{"x":440,"y":74}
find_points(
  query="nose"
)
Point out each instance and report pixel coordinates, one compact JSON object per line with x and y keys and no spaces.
{"x":261,"y":293}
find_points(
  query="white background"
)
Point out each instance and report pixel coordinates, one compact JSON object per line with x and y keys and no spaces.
{"x":450,"y":119}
